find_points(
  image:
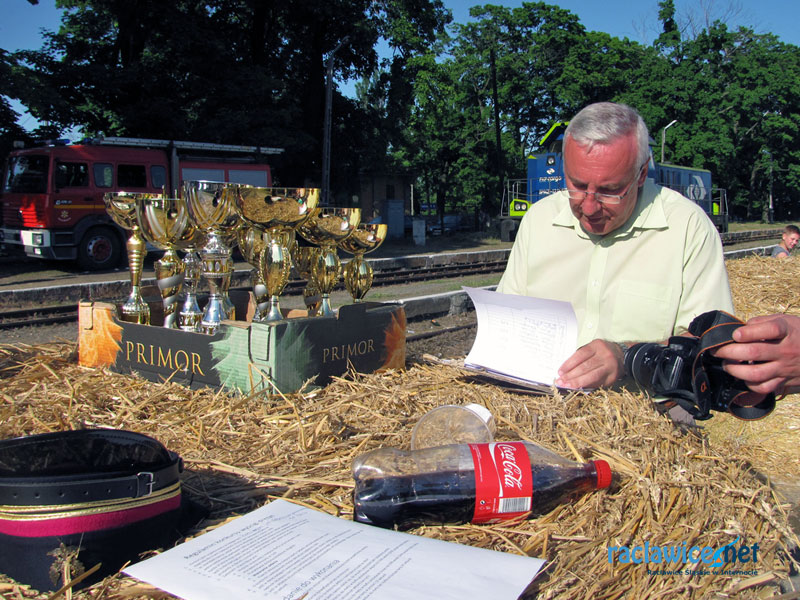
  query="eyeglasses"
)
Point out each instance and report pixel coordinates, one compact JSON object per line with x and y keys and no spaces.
{"x":604,"y":198}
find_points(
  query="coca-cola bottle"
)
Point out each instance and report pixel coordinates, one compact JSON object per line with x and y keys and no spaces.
{"x":460,"y":483}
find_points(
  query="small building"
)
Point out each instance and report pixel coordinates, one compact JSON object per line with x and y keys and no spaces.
{"x":388,"y":196}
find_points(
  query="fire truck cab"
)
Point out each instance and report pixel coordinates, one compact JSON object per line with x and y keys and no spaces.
{"x":52,"y":195}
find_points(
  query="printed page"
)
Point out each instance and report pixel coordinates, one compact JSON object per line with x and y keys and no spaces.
{"x":283,"y":551}
{"x":520,"y":336}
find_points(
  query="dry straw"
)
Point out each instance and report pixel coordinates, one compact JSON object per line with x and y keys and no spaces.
{"x":705,"y":486}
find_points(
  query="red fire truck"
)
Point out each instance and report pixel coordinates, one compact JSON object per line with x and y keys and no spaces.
{"x":52,"y":195}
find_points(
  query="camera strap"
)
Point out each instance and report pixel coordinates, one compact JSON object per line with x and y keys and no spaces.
{"x":713,"y":387}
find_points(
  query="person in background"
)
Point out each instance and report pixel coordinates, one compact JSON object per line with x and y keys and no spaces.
{"x":637,"y":261}
{"x":766,"y":354}
{"x":789,"y":239}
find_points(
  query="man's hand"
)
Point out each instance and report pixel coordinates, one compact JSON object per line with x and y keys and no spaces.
{"x":766,"y":355}
{"x":597,"y":364}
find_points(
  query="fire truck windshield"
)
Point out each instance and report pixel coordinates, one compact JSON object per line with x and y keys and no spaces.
{"x":27,"y":174}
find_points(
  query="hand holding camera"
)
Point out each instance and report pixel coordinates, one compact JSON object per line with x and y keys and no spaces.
{"x":766,"y":354}
{"x":689,"y":371}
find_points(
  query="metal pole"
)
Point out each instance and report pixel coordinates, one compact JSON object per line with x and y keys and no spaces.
{"x":664,"y":137}
{"x":326,"y":136}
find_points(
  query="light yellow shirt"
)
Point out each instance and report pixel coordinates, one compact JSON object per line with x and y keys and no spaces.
{"x":643,"y":282}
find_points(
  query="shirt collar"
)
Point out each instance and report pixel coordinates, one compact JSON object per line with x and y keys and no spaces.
{"x":648,"y":214}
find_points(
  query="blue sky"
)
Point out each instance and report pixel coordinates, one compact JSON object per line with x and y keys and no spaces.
{"x":638,"y":20}
{"x":22,"y":22}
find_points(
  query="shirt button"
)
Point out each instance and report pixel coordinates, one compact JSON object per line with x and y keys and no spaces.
{"x":589,"y":325}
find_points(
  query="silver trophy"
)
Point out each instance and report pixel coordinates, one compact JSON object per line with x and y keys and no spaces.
{"x":212,"y":211}
{"x":190,"y":315}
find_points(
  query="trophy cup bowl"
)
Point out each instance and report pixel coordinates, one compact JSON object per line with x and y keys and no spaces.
{"x":358,"y":272}
{"x":278,"y":211}
{"x":212,"y":211}
{"x":121,"y":207}
{"x":164,"y":222}
{"x":326,"y":228}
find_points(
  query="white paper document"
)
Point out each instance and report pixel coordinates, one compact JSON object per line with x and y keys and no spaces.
{"x":283,"y":551}
{"x":520,"y":337}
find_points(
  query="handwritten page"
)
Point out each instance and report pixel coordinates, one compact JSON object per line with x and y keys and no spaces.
{"x":283,"y":551}
{"x":520,"y":337}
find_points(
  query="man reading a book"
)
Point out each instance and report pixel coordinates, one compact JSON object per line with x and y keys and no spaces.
{"x":637,"y":261}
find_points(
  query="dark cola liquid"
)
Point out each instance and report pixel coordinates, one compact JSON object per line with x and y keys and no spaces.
{"x":449,"y":496}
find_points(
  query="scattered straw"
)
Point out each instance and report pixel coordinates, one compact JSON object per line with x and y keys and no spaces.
{"x":703,"y":487}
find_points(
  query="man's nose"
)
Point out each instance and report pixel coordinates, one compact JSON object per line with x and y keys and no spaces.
{"x":590,"y":205}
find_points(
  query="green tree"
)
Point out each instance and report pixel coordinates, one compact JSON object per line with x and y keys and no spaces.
{"x":231,"y":71}
{"x":734,"y":96}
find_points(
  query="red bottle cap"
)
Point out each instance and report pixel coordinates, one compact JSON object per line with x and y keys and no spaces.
{"x":603,"y":474}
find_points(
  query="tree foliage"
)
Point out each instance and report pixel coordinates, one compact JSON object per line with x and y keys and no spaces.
{"x":228,"y":71}
{"x":459,"y":109}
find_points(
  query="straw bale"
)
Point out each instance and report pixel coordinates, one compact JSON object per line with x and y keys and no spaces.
{"x":763,"y":285}
{"x":671,"y":485}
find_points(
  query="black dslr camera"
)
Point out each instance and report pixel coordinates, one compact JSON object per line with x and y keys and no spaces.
{"x":686,"y":371}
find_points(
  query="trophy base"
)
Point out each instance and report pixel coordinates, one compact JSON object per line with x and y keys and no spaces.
{"x":283,"y":356}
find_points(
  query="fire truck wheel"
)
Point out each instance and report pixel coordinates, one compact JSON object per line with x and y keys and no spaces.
{"x":99,"y":249}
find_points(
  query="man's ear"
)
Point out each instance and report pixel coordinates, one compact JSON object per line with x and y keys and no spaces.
{"x":642,"y":176}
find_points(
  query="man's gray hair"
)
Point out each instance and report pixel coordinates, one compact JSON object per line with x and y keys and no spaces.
{"x":605,"y":122}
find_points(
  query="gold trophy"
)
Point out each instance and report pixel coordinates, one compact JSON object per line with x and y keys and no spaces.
{"x":252,"y":240}
{"x":121,"y":207}
{"x":278,"y":211}
{"x":326,"y":228}
{"x":358,"y":272}
{"x":303,"y":258}
{"x":211,"y":210}
{"x":164,"y":222}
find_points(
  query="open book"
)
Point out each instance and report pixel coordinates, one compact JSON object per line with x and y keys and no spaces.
{"x":520,"y":339}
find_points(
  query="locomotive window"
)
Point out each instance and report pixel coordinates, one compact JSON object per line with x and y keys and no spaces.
{"x":69,"y":174}
{"x":131,"y":176}
{"x":158,"y":175}
{"x":103,"y":175}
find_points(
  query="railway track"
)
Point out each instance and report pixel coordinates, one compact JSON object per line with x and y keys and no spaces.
{"x":49,"y":315}
{"x":46,"y":315}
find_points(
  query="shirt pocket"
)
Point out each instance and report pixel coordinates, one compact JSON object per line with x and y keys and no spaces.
{"x":642,"y":312}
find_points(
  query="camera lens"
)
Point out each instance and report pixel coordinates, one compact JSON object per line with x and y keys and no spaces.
{"x":663,"y":370}
{"x":640,"y":361}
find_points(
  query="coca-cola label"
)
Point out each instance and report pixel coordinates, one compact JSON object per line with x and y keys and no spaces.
{"x":503,"y":481}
